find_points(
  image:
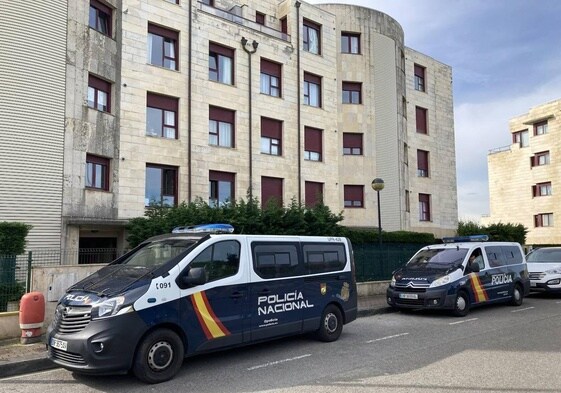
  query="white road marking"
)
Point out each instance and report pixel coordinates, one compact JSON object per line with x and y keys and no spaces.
{"x":387,"y":337}
{"x":278,"y":362}
{"x":463,"y":321}
{"x":558,"y":302}
{"x":523,"y":309}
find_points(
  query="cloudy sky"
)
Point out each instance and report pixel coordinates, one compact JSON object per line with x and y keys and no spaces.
{"x":505,"y":57}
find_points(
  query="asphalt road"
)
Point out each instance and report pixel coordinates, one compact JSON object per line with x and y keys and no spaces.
{"x":494,"y":349}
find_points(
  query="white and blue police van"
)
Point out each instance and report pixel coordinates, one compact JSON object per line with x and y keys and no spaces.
{"x":461,"y":273}
{"x":192,"y":292}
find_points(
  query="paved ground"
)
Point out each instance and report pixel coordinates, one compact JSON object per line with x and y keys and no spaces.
{"x":17,"y":358}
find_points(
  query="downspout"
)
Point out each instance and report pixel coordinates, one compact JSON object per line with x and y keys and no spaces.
{"x":249,"y":53}
{"x":298,"y":102}
{"x":189,"y":102}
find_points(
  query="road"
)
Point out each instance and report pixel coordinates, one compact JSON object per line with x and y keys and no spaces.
{"x":494,"y":349}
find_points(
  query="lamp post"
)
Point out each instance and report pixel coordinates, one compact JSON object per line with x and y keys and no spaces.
{"x":378,"y":185}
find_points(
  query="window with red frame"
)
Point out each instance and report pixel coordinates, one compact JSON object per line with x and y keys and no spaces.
{"x":419,"y":77}
{"x":311,"y":37}
{"x":271,"y":136}
{"x":539,"y":159}
{"x":421,"y":120}
{"x":161,"y":116}
{"x":259,"y":18}
{"x":313,"y":144}
{"x":99,"y":94}
{"x":314,"y":193}
{"x":543,"y":220}
{"x":221,"y":188}
{"x":161,"y":185}
{"x":100,"y":17}
{"x":271,"y":78}
{"x":353,"y":196}
{"x":350,"y":43}
{"x":271,"y":191}
{"x":424,"y":207}
{"x":221,"y":130}
{"x":97,"y":172}
{"x":220,"y":63}
{"x":312,"y":90}
{"x":541,"y":189}
{"x":352,"y":93}
{"x":540,"y":128}
{"x":163,"y":48}
{"x":352,"y":144}
{"x":422,"y":163}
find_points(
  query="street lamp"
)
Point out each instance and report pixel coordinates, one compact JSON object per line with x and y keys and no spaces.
{"x":378,"y":185}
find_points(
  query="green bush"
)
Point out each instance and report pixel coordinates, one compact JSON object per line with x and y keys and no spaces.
{"x":360,"y":236}
{"x":496,"y":232}
{"x":12,"y":237}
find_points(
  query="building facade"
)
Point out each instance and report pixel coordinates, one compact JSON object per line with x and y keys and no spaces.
{"x":169,"y":101}
{"x":529,"y":197}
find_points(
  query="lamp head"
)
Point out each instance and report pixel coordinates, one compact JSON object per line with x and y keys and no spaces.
{"x":377,"y":184}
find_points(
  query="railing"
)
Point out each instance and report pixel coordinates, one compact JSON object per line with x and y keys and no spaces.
{"x":499,"y":149}
{"x":233,"y":17}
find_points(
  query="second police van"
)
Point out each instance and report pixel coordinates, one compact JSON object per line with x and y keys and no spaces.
{"x":186,"y":293}
{"x":463,"y":272}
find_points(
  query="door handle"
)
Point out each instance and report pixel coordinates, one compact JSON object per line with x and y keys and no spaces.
{"x":236,"y":295}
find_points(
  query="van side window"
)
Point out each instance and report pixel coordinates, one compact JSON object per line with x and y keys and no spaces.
{"x":512,"y":255}
{"x":322,"y":257}
{"x":274,"y":260}
{"x":220,"y":260}
{"x":495,"y":256}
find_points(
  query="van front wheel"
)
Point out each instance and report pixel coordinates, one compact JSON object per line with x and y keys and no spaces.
{"x":517,"y":296}
{"x":331,"y":324}
{"x":461,"y":304}
{"x":159,"y":356}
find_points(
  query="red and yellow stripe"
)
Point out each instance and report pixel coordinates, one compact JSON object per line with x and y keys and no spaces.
{"x":478,"y":290}
{"x":210,"y":323}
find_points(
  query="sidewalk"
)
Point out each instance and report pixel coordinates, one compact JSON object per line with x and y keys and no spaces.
{"x":18,"y":359}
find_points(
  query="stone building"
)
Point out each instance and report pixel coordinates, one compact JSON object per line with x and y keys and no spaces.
{"x":171,"y":100}
{"x":524,"y":176}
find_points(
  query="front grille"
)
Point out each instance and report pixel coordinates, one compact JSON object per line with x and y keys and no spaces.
{"x":410,"y":302}
{"x":71,"y":319}
{"x":410,"y":289}
{"x":67,"y":357}
{"x":536,"y":276}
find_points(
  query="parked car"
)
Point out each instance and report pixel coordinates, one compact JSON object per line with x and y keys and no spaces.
{"x":544,"y":267}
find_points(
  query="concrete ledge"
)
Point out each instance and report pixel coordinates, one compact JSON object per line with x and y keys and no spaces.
{"x":372,"y":288}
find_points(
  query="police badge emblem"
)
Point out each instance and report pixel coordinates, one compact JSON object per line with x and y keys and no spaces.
{"x":345,"y":291}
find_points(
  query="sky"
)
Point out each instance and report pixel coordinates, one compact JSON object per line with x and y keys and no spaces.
{"x":505,"y":57}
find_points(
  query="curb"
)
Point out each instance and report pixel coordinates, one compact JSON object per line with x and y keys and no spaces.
{"x":381,"y":310}
{"x":26,"y":367}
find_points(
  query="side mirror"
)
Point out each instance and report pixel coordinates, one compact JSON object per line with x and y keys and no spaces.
{"x":195,"y":276}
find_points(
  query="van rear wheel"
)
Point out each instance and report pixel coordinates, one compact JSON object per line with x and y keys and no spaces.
{"x":331,"y":324}
{"x":461,"y":304}
{"x":159,"y":356}
{"x":517,"y":296}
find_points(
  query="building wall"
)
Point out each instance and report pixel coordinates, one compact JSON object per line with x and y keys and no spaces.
{"x":511,"y":197}
{"x":441,"y":183}
{"x":32,"y":96}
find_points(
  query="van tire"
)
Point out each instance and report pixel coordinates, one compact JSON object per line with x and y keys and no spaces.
{"x":158,"y":357}
{"x":517,"y":296}
{"x":331,"y":324}
{"x":461,"y":304}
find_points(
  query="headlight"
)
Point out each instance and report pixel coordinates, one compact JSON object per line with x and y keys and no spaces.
{"x":440,"y":281}
{"x":392,"y":282}
{"x":557,"y":270}
{"x":109,"y":307}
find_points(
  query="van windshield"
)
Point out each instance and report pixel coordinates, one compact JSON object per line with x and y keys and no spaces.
{"x":438,"y":259}
{"x":157,"y":253}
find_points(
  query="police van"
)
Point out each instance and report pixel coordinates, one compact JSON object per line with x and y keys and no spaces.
{"x":192,"y":292}
{"x":459,"y":274}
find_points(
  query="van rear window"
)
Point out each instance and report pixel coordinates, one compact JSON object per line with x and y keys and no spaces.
{"x":276,"y":260}
{"x":324,"y":257}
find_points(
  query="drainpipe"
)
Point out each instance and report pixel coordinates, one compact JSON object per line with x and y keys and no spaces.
{"x":250,"y":51}
{"x":298,"y":110}
{"x":189,"y":106}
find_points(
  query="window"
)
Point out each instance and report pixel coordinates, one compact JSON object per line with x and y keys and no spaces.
{"x":97,"y":172}
{"x":323,"y":258}
{"x":543,"y":220}
{"x":260,"y":18}
{"x":352,"y":144}
{"x":271,"y":136}
{"x":421,"y":120}
{"x":312,"y":144}
{"x":270,"y":78}
{"x":284,"y":25}
{"x":405,"y":154}
{"x":312,"y":90}
{"x":424,"y":207}
{"x":220,"y":64}
{"x":311,"y":37}
{"x":161,"y":116}
{"x":271,"y":191}
{"x":208,"y":2}
{"x":419,"y":78}
{"x":162,"y":47}
{"x":522,"y":138}
{"x":278,"y":259}
{"x":407,"y":202}
{"x":541,"y":189}
{"x":99,"y":94}
{"x":422,"y":163}
{"x":314,"y":193}
{"x":221,"y":127}
{"x":540,"y":128}
{"x":352,"y":93}
{"x":173,"y":1}
{"x":540,"y":159}
{"x":161,"y":185}
{"x":220,"y":260}
{"x":350,"y":43}
{"x":354,"y":196}
{"x":100,"y":17}
{"x":221,"y":188}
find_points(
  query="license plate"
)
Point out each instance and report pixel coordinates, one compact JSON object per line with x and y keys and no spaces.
{"x":408,"y":296}
{"x":59,"y":344}
{"x":533,"y":284}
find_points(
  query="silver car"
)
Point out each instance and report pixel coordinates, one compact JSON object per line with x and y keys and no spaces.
{"x":544,"y":267}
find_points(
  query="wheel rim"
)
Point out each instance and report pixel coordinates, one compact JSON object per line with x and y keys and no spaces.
{"x":330,"y":323}
{"x":160,"y":356}
{"x":461,"y":303}
{"x":517,"y":294}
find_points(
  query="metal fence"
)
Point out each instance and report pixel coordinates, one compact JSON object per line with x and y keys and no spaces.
{"x":372,"y":261}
